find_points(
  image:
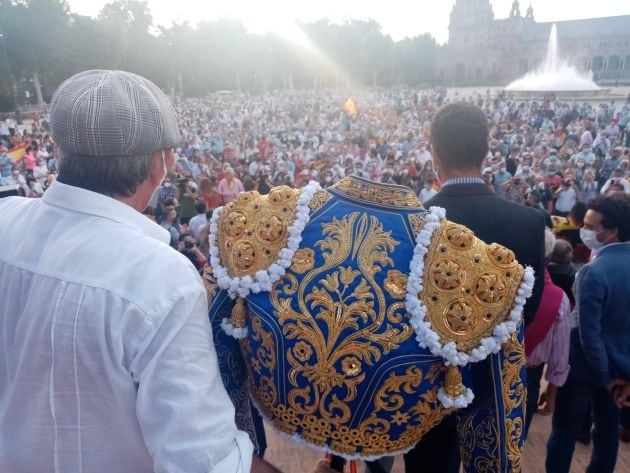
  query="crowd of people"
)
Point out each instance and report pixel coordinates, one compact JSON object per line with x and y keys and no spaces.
{"x":546,"y":153}
{"x":549,"y":154}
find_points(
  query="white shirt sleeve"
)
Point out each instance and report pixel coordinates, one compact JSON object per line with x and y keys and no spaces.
{"x":185,"y":414}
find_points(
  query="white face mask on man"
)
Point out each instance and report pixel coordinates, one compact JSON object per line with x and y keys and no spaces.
{"x":165,"y":170}
{"x":164,"y":167}
{"x":589,"y":238}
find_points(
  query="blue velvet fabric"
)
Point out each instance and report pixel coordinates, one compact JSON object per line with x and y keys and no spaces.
{"x":330,"y":356}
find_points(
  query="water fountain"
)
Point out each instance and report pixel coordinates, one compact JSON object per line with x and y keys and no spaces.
{"x":555,"y":75}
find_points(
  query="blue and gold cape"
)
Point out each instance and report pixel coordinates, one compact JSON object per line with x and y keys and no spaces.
{"x":330,"y":356}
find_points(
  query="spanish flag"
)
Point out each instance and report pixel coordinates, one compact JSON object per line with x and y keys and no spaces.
{"x":350,"y":107}
{"x":17,"y":152}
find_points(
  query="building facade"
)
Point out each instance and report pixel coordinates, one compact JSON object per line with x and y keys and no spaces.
{"x":483,"y":50}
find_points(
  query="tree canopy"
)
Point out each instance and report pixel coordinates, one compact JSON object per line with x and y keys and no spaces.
{"x":44,"y":39}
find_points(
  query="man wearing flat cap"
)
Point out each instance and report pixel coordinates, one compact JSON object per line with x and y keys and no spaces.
{"x":107,"y":356}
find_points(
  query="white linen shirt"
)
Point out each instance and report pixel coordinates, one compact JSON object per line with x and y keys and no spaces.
{"x":106,"y":355}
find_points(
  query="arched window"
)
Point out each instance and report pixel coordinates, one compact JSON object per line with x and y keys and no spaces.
{"x":598,"y":63}
{"x":613,"y":63}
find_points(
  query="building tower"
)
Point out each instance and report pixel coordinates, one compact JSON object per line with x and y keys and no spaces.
{"x":529,"y":16}
{"x":516,"y":10}
{"x":471,"y":24}
{"x":470,"y":38}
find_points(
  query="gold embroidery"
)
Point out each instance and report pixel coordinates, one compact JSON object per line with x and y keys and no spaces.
{"x":453,"y":383}
{"x":490,"y":289}
{"x":513,"y":398}
{"x":210,"y":283}
{"x":417,"y":222}
{"x":479,"y":437}
{"x":382,"y":195}
{"x":501,"y":255}
{"x":254,"y":228}
{"x":460,"y":318}
{"x":338,"y":316}
{"x":459,"y":236}
{"x":447,"y":275}
{"x":303,"y":260}
{"x":319,"y":200}
{"x":396,"y":284}
{"x":238,"y":318}
{"x":372,"y":434}
{"x":351,"y":366}
{"x":470,"y":286}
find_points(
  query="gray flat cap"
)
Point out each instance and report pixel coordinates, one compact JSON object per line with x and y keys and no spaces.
{"x":112,"y":113}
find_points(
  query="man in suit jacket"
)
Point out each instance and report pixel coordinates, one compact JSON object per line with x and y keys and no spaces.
{"x":599,"y":354}
{"x":459,"y":138}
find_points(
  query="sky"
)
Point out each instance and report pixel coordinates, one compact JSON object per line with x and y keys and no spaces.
{"x":398,"y":18}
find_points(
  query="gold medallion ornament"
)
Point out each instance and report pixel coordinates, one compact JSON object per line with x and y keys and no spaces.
{"x":255,"y":229}
{"x":469,"y":290}
{"x":465,"y":298}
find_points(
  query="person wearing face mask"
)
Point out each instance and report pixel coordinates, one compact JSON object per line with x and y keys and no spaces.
{"x":588,"y":186}
{"x":40,"y":173}
{"x":599,"y":352}
{"x":501,"y":176}
{"x":108,"y":325}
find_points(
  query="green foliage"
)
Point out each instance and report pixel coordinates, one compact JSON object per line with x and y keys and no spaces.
{"x":43,"y":36}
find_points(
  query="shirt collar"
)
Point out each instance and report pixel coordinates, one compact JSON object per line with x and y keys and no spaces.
{"x":463,"y":180}
{"x":81,"y":200}
{"x":610,"y":245}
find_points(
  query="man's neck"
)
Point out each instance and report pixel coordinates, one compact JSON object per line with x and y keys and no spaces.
{"x":448,"y":174}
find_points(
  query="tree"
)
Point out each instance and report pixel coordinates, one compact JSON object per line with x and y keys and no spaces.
{"x":43,"y":37}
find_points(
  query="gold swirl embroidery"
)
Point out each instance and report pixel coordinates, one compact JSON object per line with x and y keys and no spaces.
{"x":417,"y":222}
{"x":319,"y":200}
{"x":346,"y":299}
{"x":513,"y":398}
{"x":383,"y":195}
{"x":388,"y":398}
{"x":479,"y":437}
{"x":372,"y":433}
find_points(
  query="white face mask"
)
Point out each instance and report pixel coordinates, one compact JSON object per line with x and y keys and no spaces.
{"x":164,"y":168}
{"x":157,"y":189}
{"x":589,"y":238}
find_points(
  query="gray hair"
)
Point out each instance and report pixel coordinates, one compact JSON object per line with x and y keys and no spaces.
{"x":562,"y":252}
{"x":109,"y":175}
{"x":550,"y":241}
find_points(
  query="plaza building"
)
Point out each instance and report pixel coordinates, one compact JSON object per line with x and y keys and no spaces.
{"x":483,"y":50}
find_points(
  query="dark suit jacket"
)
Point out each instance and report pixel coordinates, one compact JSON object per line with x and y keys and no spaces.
{"x":497,"y":220}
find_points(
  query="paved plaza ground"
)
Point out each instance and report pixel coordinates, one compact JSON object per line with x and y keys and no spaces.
{"x":293,"y":458}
